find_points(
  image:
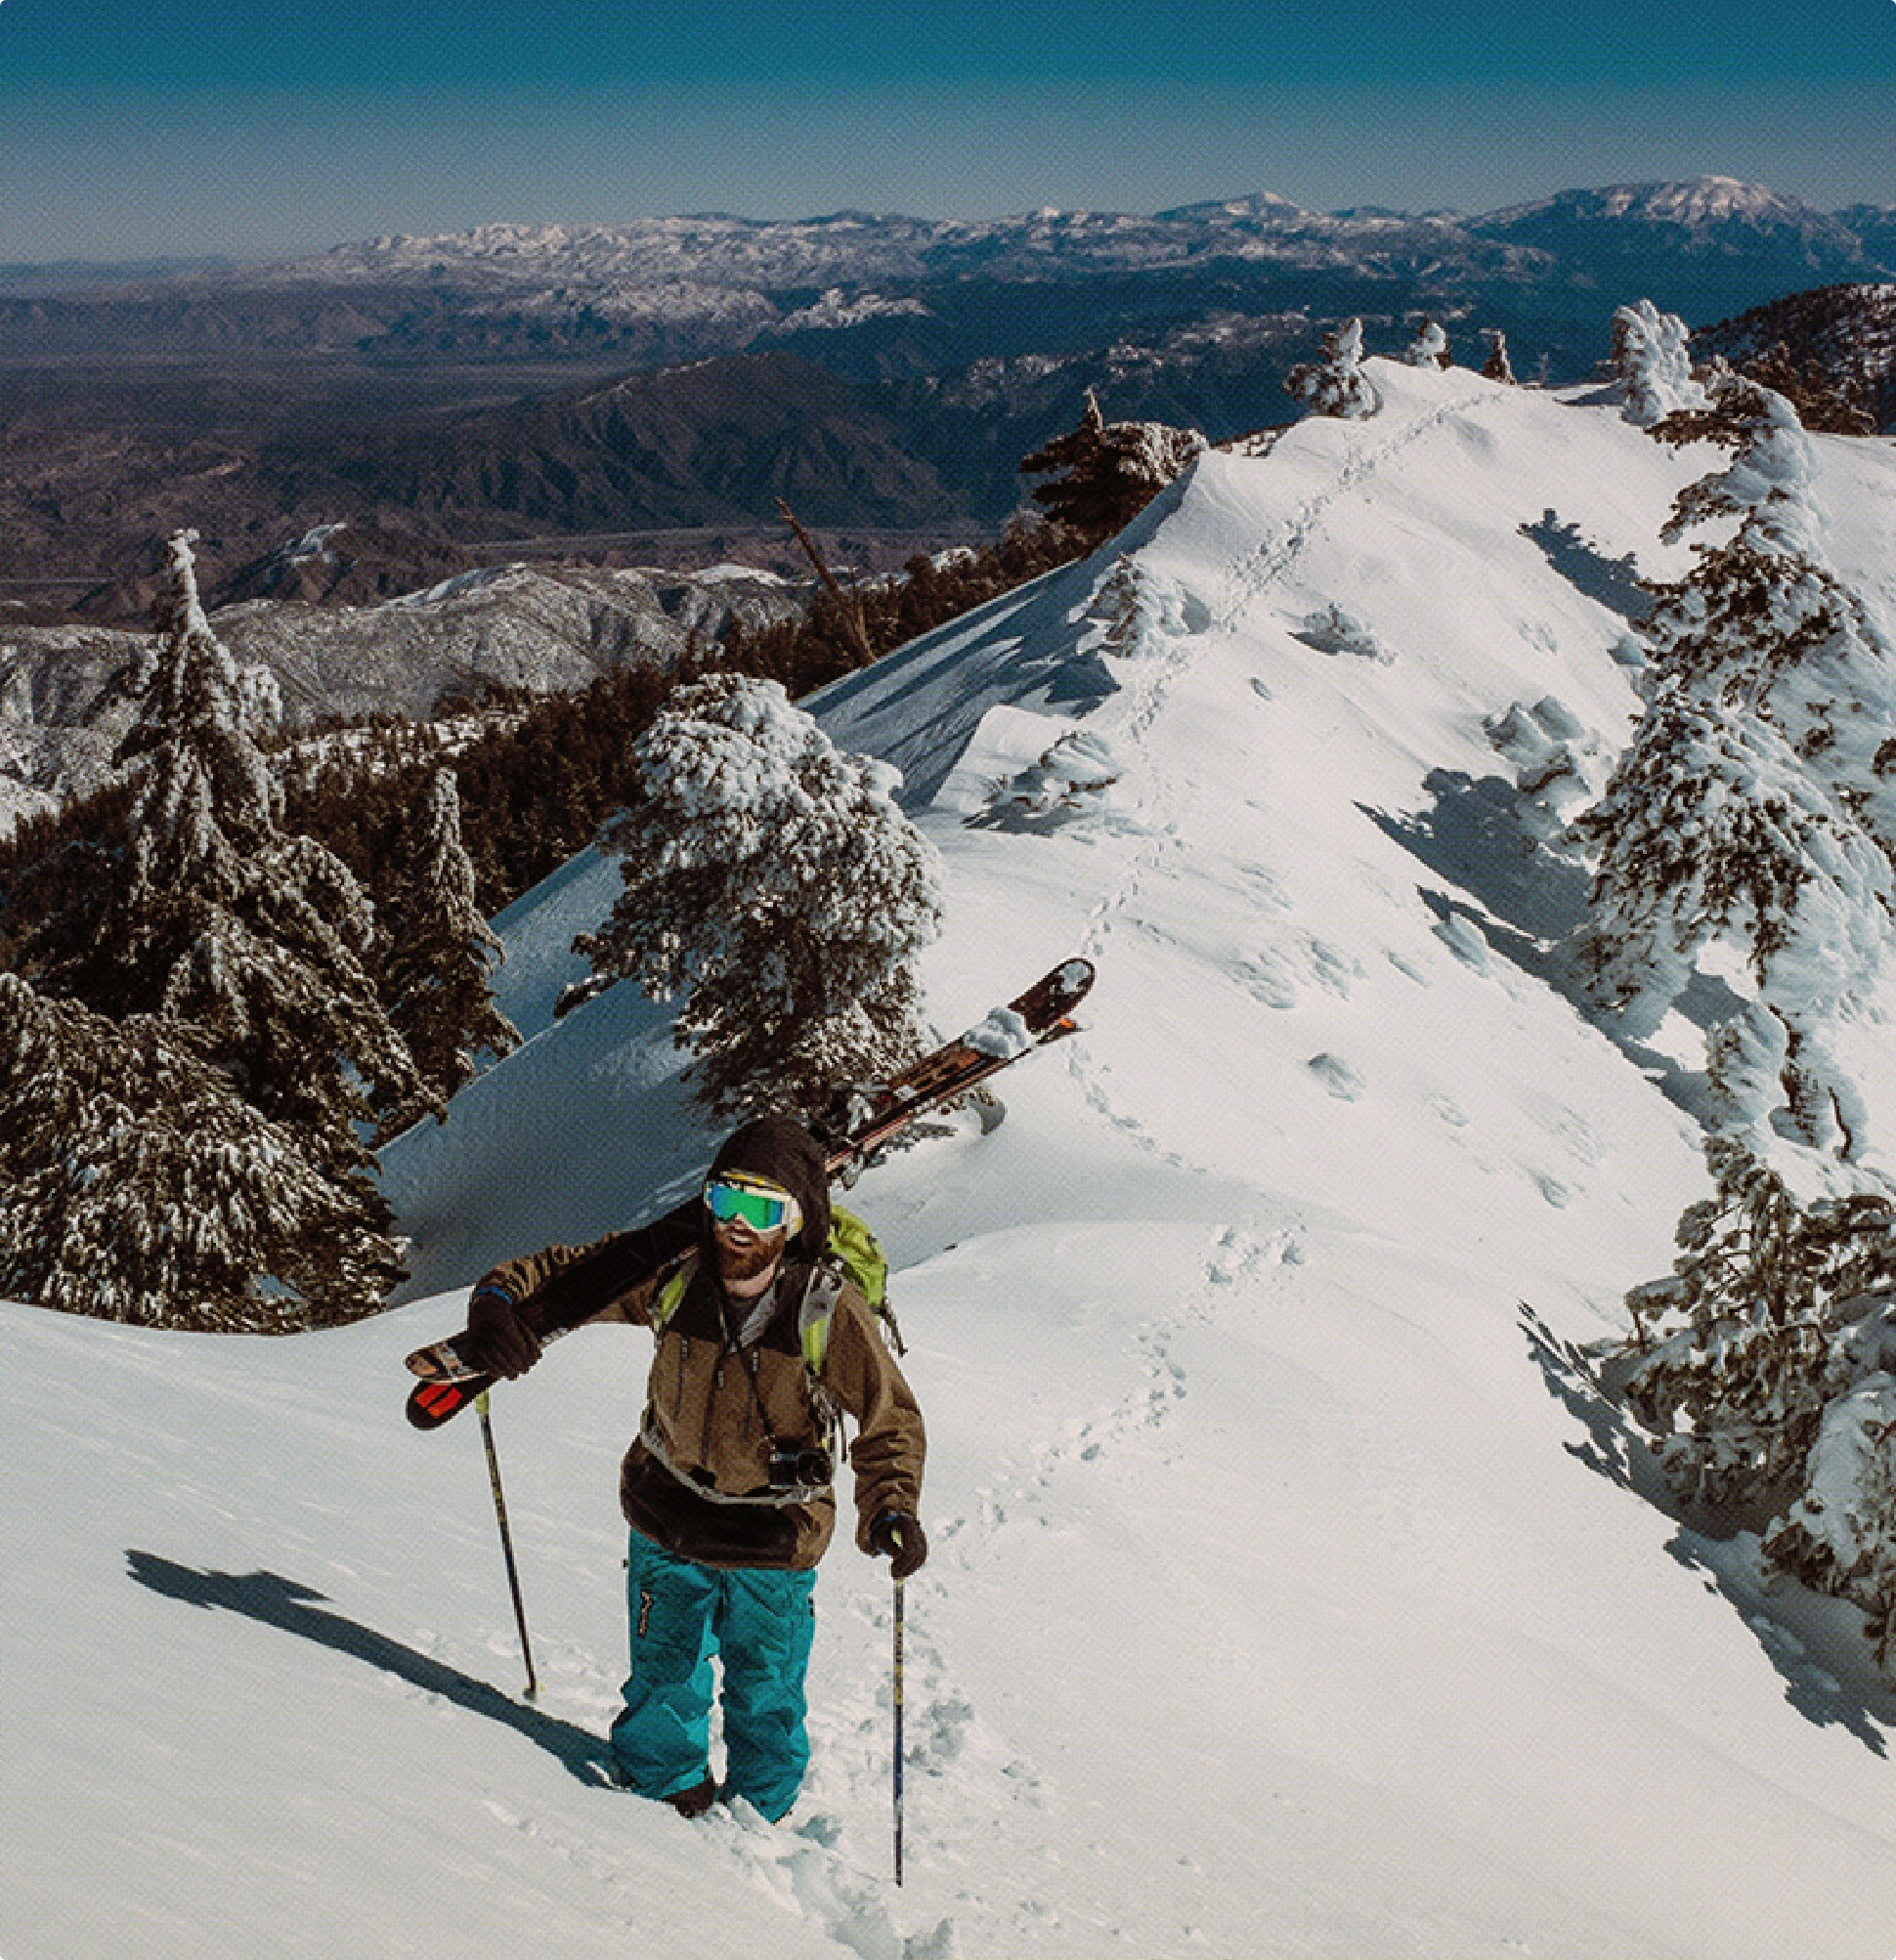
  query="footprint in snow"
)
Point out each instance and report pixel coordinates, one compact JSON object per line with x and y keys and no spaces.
{"x":806,"y":1877}
{"x":1236,"y":1254}
{"x":1449,"y":1110}
{"x":1407,"y":968}
{"x":942,"y":1733}
{"x":1463,"y":938}
{"x":1269,"y":980}
{"x":1333,"y":970}
{"x":1338,"y":1077}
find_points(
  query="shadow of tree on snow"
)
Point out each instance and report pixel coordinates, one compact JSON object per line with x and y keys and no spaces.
{"x":1612,"y":581}
{"x":276,"y":1601}
{"x":1829,"y":1674}
{"x":1526,"y":901}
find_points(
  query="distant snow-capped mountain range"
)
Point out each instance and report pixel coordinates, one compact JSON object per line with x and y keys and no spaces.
{"x":718,"y":251}
{"x":890,"y":296}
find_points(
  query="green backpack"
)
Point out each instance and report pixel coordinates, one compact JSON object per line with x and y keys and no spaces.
{"x":851,"y":1253}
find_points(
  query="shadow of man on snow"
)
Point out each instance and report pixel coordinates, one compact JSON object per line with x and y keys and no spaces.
{"x":282,"y":1602}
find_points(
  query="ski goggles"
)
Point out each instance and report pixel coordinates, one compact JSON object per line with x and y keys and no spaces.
{"x":759,"y":1204}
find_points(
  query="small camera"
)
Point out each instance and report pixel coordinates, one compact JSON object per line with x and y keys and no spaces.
{"x":799,"y":1468}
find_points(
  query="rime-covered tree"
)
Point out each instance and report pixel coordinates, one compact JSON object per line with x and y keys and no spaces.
{"x":1765,"y":1365}
{"x":1754,"y":804}
{"x":1430,"y":347}
{"x":441,"y":950}
{"x":1753,"y":810}
{"x":1334,"y":384}
{"x":258,"y":938}
{"x":1100,"y":475}
{"x":141,"y":1187}
{"x":1839,"y":1535}
{"x":1124,"y":610}
{"x":776,"y":883}
{"x":1652,"y":356}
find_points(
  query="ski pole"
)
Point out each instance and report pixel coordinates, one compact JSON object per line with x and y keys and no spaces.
{"x":898,"y":1732}
{"x":506,"y":1541}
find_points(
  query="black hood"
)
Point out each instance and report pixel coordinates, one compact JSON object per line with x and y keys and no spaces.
{"x":780,"y":1148}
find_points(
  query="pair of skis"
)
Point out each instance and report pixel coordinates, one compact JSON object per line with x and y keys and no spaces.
{"x":868,"y":1119}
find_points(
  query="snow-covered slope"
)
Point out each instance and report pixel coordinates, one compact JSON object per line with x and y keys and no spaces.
{"x":1293,"y":1589}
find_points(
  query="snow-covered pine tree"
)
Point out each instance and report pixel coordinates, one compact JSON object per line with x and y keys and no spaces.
{"x":1334,"y":384}
{"x":1124,"y":610}
{"x":777,"y":882}
{"x":257,"y":937}
{"x":1754,"y":804}
{"x":1430,"y":347}
{"x":1652,"y":356}
{"x":1839,"y":1536}
{"x":1774,"y":1308}
{"x":440,"y":952}
{"x":1752,"y":809}
{"x":1100,"y":475}
{"x":141,"y":1187}
{"x":1765,"y":1365}
{"x":1711,"y":832}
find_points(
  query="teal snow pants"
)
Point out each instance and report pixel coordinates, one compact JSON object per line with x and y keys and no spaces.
{"x":759,"y":1624}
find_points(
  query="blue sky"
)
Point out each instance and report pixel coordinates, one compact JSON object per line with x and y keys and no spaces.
{"x":134,"y":130}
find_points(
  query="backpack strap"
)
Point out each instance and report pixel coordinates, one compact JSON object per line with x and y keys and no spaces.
{"x":826,"y":1283}
{"x":672,"y":1282}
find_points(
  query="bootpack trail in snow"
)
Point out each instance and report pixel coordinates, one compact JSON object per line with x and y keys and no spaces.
{"x":1174,"y":801}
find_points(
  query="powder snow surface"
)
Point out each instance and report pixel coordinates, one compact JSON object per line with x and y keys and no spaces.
{"x":1293,"y":1589}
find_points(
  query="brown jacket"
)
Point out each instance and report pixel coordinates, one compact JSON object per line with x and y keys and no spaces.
{"x":696,"y":1478}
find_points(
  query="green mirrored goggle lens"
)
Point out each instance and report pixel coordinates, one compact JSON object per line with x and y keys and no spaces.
{"x":761,"y":1210}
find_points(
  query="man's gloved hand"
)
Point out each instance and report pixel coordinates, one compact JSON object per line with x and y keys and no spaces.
{"x":897,"y":1536}
{"x":503,"y":1341}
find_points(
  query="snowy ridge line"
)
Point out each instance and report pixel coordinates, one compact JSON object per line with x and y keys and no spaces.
{"x":1289,"y":1595}
{"x":1249,"y":575}
{"x":1244,"y":578}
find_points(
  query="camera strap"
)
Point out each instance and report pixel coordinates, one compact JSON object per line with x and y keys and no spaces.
{"x":748,"y":1333}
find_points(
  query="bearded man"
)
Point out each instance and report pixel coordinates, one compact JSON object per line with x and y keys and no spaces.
{"x":727,"y":1487}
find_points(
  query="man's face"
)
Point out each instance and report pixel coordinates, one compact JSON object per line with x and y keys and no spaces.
{"x":752,"y":1220}
{"x":744,"y":1255}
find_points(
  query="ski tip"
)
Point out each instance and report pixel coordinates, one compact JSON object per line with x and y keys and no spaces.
{"x":1069,"y":984}
{"x":433,"y":1402}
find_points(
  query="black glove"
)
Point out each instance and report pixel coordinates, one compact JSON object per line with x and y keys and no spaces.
{"x":898,"y":1537}
{"x":498,"y":1335}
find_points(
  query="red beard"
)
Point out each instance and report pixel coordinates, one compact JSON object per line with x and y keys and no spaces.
{"x":737,"y":1263}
